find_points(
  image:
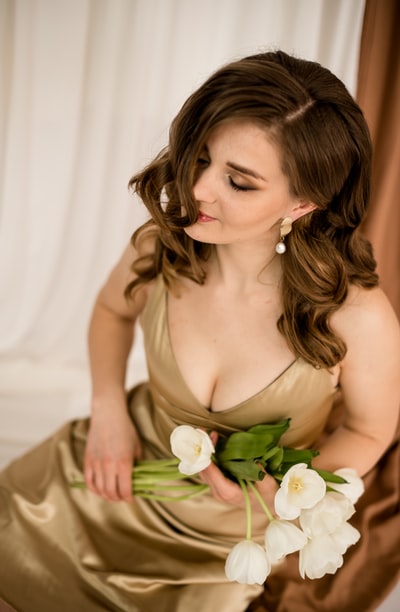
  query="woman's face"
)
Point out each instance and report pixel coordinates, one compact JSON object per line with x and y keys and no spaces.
{"x":241,"y":191}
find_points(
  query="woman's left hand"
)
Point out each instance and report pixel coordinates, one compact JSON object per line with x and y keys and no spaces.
{"x":225,"y":490}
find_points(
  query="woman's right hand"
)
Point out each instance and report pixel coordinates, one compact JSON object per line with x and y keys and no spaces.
{"x":111,"y":449}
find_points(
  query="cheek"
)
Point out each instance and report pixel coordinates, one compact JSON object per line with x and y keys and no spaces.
{"x":261,"y":214}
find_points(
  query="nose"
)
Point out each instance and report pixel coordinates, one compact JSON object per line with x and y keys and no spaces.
{"x":204,"y":187}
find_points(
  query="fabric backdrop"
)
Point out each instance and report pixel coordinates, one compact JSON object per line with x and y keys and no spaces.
{"x":378,"y":93}
{"x":87,"y":91}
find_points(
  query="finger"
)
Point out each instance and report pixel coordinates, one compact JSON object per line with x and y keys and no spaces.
{"x":98,"y":481}
{"x":93,"y":478}
{"x":125,"y":482}
{"x":221,"y":487}
{"x":215,"y":478}
{"x":214,"y":437}
{"x":110,"y":490}
{"x":211,"y":474}
{"x":268,"y":483}
{"x":89,"y":477}
{"x":267,"y":488}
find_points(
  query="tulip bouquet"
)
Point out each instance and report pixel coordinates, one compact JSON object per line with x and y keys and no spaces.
{"x":312,"y":506}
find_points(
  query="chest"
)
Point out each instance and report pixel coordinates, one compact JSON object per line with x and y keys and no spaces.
{"x":227,"y":348}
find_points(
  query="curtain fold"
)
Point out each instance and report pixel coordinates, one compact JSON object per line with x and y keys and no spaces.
{"x":379,"y":96}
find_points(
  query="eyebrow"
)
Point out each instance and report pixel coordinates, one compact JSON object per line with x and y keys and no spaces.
{"x":244,"y":170}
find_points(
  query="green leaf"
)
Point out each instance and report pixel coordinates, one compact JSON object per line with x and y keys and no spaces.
{"x":274,"y":429}
{"x":329,"y":477}
{"x":270,"y":453}
{"x":245,"y":470}
{"x":275,"y":461}
{"x":297,"y":455}
{"x":243,"y":445}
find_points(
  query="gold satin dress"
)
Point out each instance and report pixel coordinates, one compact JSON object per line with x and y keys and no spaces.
{"x":69,"y":550}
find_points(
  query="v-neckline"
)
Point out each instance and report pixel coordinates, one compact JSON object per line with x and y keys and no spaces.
{"x":188,"y":389}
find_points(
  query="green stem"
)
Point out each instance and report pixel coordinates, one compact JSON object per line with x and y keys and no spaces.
{"x":160,"y":487}
{"x":262,"y":503}
{"x":167,"y":498}
{"x":146,"y":464}
{"x":154,"y":478}
{"x":243,"y":484}
{"x":153,"y":490}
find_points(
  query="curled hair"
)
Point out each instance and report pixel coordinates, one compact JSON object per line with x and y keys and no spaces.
{"x":325,"y":150}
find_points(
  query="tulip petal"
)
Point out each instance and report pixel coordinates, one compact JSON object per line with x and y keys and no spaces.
{"x":354,"y":487}
{"x":344,"y":536}
{"x":283,"y":538}
{"x":301,"y":487}
{"x":327,"y":515}
{"x":319,"y":557}
{"x":193,"y":447}
{"x":283,"y":508}
{"x":247,"y":563}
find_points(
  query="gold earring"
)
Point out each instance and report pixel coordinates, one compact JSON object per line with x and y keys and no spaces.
{"x":285,"y":229}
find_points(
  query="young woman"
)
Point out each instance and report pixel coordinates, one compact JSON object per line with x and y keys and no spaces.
{"x":258,"y":299}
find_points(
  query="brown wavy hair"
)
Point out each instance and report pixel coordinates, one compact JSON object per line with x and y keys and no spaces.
{"x":326,"y":155}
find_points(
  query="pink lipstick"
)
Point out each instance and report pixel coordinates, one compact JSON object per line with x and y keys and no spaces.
{"x":203,"y":218}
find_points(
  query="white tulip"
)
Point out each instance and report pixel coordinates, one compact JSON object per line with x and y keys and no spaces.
{"x":283,"y":538}
{"x":353,"y":488}
{"x":344,"y":536}
{"x":247,"y":563}
{"x":327,"y":515}
{"x":193,"y":447}
{"x":301,"y":487}
{"x":319,"y":557}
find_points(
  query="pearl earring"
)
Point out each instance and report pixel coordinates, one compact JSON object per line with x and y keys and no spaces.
{"x":285,"y":229}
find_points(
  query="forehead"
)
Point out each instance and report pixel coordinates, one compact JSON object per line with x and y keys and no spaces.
{"x":236,"y":127}
{"x":246,"y":141}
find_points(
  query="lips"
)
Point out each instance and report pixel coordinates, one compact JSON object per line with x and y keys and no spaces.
{"x":203,"y":218}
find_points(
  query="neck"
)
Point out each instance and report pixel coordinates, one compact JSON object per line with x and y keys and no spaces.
{"x":243,"y":266}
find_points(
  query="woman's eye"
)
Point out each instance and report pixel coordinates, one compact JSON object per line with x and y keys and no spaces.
{"x":202,"y":161}
{"x":237,"y":187}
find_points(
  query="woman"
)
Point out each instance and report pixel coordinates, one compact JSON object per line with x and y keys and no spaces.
{"x":259,"y":300}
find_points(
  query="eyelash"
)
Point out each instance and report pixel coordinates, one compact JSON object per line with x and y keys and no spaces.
{"x":204,"y":162}
{"x":236,"y":187}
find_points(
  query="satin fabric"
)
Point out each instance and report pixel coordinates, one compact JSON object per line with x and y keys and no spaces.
{"x":371,"y":568}
{"x":68,"y":549}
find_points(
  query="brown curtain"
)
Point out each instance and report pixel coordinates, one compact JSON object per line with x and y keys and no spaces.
{"x":379,"y":97}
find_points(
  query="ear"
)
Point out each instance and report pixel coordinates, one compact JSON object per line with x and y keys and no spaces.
{"x":301,"y":208}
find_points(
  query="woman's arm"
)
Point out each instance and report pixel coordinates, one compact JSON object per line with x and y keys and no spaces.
{"x":369,"y":381}
{"x":112,"y":441}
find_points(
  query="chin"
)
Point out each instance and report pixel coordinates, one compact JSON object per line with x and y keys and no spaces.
{"x":197,"y":233}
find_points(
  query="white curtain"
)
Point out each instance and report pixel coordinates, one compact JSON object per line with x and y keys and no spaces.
{"x":87,"y":91}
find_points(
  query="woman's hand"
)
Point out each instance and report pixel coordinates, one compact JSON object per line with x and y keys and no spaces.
{"x":225,"y":490}
{"x":112,"y":447}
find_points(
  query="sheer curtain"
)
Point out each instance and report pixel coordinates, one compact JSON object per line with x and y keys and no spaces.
{"x":87,"y":91}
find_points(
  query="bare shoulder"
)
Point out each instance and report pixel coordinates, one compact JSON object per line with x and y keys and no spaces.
{"x":112,"y":294}
{"x":367,"y":321}
{"x":146,"y":240}
{"x":365,"y":307}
